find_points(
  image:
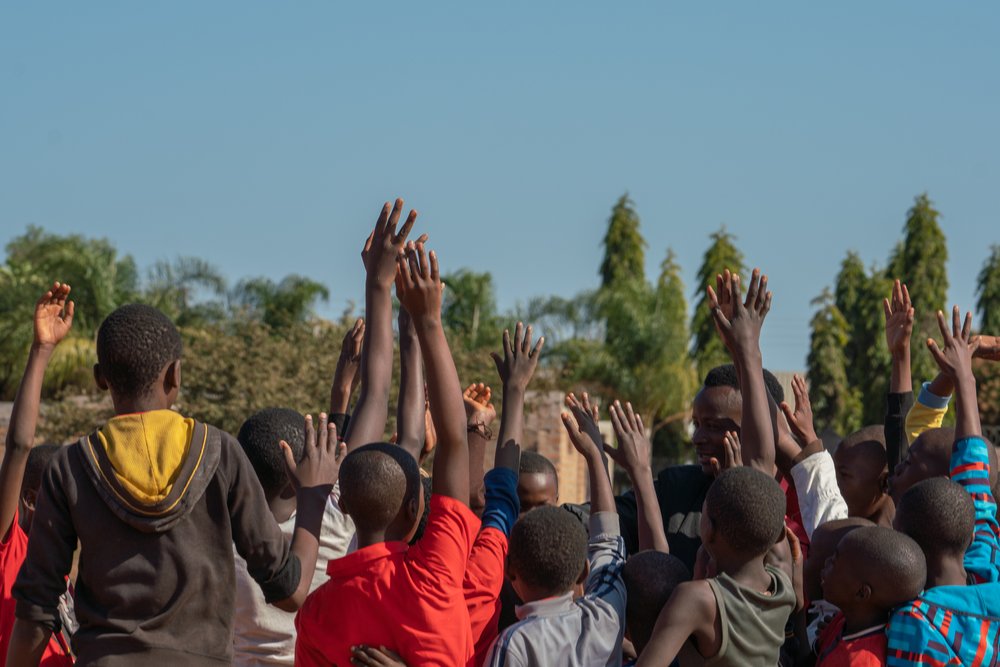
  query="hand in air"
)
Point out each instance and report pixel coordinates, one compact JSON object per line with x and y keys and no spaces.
{"x":581,"y":425}
{"x":321,"y":456}
{"x":519,"y":359}
{"x":899,"y":315}
{"x":634,"y":450}
{"x":53,"y":316}
{"x":740,"y":331}
{"x":800,"y":420}
{"x":384,"y":244}
{"x":954,"y":358}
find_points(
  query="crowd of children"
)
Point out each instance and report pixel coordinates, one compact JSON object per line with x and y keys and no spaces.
{"x":160,"y":540}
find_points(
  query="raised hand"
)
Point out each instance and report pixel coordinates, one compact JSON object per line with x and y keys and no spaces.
{"x":519,"y":359}
{"x":581,"y":425}
{"x":955,"y":359}
{"x":384,"y":243}
{"x":733,"y":454}
{"x":479,"y":408}
{"x":321,"y":457}
{"x":740,"y":331}
{"x":53,"y":316}
{"x":800,"y":420}
{"x":989,"y":347}
{"x":346,"y":376}
{"x":899,"y":315}
{"x":418,"y":282}
{"x":634,"y":450}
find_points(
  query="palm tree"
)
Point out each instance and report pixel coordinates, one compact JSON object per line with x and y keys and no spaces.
{"x":173,"y":287}
{"x":279,"y":305}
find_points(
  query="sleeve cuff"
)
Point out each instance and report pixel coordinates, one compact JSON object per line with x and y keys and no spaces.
{"x":502,"y":504}
{"x":283,"y":584}
{"x":604,"y":524}
{"x":931,"y":400}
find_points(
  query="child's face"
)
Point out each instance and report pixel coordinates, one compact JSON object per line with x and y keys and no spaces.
{"x":536,"y":489}
{"x":839,"y":579}
{"x":715,"y":410}
{"x":860,"y":479}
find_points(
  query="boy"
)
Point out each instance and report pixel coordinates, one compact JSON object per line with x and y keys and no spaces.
{"x":24,"y":463}
{"x":537,"y":482}
{"x":410,"y":599}
{"x":872,"y":571}
{"x":157,"y":502}
{"x":863,"y":474}
{"x":954,"y":523}
{"x":651,"y":577}
{"x":263,"y":634}
{"x":549,"y":554}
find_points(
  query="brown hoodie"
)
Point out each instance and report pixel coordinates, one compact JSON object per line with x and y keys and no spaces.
{"x":157,"y":502}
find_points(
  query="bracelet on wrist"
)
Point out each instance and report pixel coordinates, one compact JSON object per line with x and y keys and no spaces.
{"x":481,"y":430}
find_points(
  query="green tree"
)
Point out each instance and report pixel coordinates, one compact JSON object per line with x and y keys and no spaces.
{"x":858,"y":297}
{"x":835,"y":402}
{"x":920,"y":261}
{"x":174,"y":288}
{"x":988,"y":293}
{"x":469,"y":309}
{"x":624,"y":246}
{"x":708,"y":350}
{"x":279,"y":305}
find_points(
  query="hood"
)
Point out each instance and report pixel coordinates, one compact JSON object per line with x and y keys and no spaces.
{"x":152,"y":467}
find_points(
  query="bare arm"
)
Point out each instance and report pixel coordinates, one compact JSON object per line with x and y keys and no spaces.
{"x":634,"y":454}
{"x":586,"y":438}
{"x":368,"y":422}
{"x":27,"y":643}
{"x":410,"y":403}
{"x":955,"y":361}
{"x":741,"y":335}
{"x":419,"y":289}
{"x":52,"y":322}
{"x":689,"y":613}
{"x":348,"y":368}
{"x":899,"y":315}
{"x":516,"y":367}
{"x":479,"y":414}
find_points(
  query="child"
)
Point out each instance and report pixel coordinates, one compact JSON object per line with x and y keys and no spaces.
{"x":862,"y":475}
{"x":651,"y":577}
{"x":24,"y":463}
{"x":537,"y":482}
{"x":872,"y":571}
{"x":263,"y":634}
{"x":737,"y":617}
{"x":954,"y":523}
{"x":157,"y":502}
{"x":549,"y":554}
{"x":410,"y":599}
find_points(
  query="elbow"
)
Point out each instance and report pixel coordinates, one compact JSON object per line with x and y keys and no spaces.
{"x":292,"y":604}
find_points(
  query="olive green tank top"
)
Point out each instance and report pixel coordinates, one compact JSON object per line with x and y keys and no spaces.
{"x":753,"y":623}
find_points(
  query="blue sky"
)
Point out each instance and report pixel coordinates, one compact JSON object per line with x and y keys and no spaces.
{"x":264,"y":136}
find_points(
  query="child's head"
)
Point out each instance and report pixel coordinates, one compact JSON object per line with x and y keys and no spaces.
{"x":822,"y":544}
{"x":31,"y":482}
{"x":380,"y":489}
{"x":718,"y":408}
{"x":537,"y":482}
{"x":874,"y":569}
{"x":862,"y":470}
{"x":650,"y":579}
{"x":259,"y":436}
{"x":939,"y":515}
{"x":743,"y":514}
{"x":547,"y":554}
{"x":930,"y":456}
{"x":138,"y":358}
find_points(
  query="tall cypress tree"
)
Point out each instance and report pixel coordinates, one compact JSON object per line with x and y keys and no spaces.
{"x":624,"y":247}
{"x":708,"y":351}
{"x":988,"y":294}
{"x":920,"y":261}
{"x":835,"y":402}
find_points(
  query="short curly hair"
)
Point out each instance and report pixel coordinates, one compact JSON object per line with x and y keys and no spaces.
{"x":259,"y":436}
{"x":650,"y":579}
{"x":747,"y":508}
{"x":939,"y":515}
{"x":38,"y":460}
{"x":548,"y":549}
{"x":892,"y":562}
{"x":376,"y":482}
{"x":134,"y":344}
{"x":725,"y":376}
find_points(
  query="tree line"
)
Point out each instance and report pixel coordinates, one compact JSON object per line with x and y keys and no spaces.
{"x":259,"y":342}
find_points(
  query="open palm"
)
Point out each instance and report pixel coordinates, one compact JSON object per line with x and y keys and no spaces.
{"x":53,"y":315}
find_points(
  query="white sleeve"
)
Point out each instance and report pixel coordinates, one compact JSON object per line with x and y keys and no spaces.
{"x":820,"y":500}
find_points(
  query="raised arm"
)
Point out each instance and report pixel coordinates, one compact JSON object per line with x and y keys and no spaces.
{"x":741,"y":335}
{"x":955,"y":361}
{"x":418,"y":286}
{"x":634,"y":454}
{"x":581,"y":424}
{"x":347,"y":375}
{"x":479,"y":414}
{"x":898,"y":328}
{"x":515,"y":368}
{"x":379,"y":255}
{"x":52,"y":322}
{"x":410,"y":404}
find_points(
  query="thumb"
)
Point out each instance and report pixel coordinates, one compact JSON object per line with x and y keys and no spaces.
{"x":786,"y":409}
{"x":716,"y":466}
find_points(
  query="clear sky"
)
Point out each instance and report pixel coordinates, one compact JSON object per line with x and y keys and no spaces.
{"x":264,"y":136}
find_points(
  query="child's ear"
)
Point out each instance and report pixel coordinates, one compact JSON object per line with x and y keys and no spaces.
{"x":413,"y":510}
{"x":864,"y":592}
{"x":172,"y":378}
{"x":102,"y":383}
{"x":29,"y":498}
{"x":883,"y":482}
{"x":584,"y":573}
